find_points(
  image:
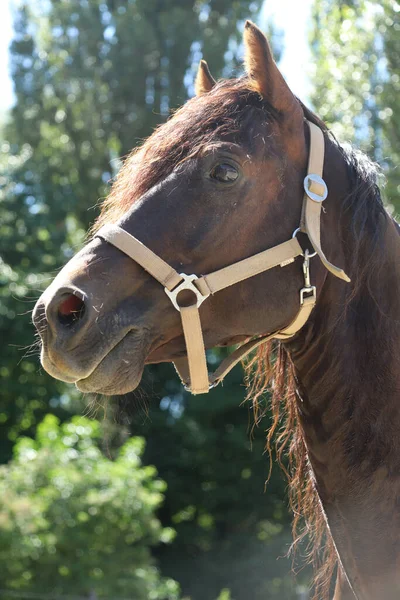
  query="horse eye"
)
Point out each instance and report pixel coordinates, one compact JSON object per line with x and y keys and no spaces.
{"x":225,"y":173}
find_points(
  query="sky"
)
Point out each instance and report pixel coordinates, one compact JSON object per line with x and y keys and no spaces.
{"x":292,"y":16}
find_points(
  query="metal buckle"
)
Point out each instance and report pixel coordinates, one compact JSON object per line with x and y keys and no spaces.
{"x":310,"y":178}
{"x":308,"y":288}
{"x":186,"y":284}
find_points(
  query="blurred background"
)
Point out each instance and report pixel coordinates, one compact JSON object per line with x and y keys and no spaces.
{"x":157,"y":494}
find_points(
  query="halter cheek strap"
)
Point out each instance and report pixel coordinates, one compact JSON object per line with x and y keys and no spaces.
{"x":193,"y":368}
{"x":316,"y":192}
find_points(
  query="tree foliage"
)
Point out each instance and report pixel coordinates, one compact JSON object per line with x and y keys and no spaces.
{"x":355,"y":44}
{"x":74,"y":521}
{"x":230,"y":526}
{"x":390,"y":29}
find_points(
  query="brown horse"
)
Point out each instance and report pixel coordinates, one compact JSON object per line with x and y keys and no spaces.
{"x":221,"y":181}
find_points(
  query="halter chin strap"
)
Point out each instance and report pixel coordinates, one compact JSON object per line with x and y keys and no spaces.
{"x":193,"y":368}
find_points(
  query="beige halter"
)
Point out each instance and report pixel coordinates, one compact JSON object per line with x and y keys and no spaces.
{"x":193,"y":369}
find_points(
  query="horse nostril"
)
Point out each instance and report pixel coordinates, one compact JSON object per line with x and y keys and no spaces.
{"x":70,"y":310}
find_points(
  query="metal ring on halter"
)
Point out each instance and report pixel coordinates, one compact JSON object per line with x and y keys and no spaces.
{"x":308,"y":181}
{"x":213,"y":385}
{"x":186,"y":284}
{"x":210,"y":387}
{"x":294,"y":234}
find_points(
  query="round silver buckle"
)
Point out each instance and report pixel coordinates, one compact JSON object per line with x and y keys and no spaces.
{"x":186,"y":284}
{"x":313,"y":178}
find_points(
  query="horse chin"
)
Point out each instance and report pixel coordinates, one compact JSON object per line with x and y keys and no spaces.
{"x":117,"y":370}
{"x":120,"y":371}
{"x":121,"y":382}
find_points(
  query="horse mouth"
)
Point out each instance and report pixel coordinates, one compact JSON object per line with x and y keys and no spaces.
{"x":116,"y":370}
{"x":120,"y":370}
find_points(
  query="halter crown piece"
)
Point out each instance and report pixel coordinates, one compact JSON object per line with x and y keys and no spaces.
{"x":193,"y":368}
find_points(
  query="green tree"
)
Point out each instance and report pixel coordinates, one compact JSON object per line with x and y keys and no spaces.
{"x":390,"y":99}
{"x":231,"y":528}
{"x":345,"y":69}
{"x":74,"y":521}
{"x":356,"y":50}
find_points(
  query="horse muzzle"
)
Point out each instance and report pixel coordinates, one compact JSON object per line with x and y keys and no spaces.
{"x":89,"y":336}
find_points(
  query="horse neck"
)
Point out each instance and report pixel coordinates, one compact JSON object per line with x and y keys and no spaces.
{"x":346,"y":365}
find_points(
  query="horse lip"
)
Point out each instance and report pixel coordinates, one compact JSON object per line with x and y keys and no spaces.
{"x":60,"y":374}
{"x":80,"y":383}
{"x":54,"y":371}
{"x":110,"y":349}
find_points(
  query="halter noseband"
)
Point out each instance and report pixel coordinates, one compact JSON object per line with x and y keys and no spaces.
{"x":193,"y":368}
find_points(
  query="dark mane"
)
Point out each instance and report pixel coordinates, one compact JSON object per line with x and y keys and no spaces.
{"x":272,"y":370}
{"x":223,"y":111}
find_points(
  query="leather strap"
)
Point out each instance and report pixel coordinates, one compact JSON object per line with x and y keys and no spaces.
{"x":182,"y":364}
{"x":254,"y":265}
{"x":193,"y":369}
{"x":197,"y":365}
{"x":141,"y":254}
{"x":311,"y":213}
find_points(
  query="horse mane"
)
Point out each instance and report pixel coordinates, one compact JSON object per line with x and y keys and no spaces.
{"x":225,"y":110}
{"x":271,"y":369}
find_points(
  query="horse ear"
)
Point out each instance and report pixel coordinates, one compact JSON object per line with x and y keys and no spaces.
{"x":204,"y":80}
{"x":263,"y":71}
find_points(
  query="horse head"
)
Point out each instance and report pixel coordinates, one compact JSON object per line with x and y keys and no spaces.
{"x":220,"y":181}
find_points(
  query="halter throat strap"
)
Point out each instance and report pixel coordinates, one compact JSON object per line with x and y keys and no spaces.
{"x":193,"y":368}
